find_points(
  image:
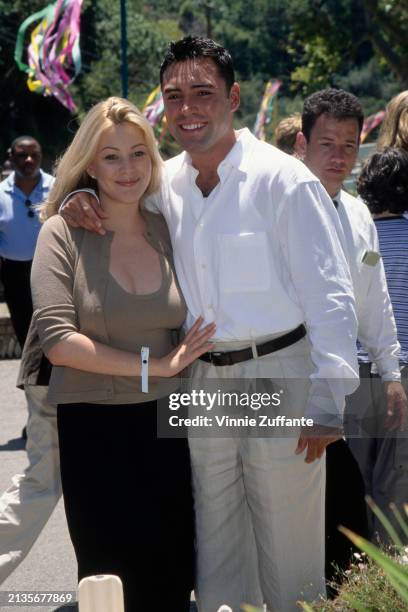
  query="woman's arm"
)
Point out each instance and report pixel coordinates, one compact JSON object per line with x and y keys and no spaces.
{"x":80,"y":352}
{"x":52,"y":281}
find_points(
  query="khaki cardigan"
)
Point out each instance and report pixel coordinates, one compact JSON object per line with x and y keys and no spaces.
{"x":71,"y":299}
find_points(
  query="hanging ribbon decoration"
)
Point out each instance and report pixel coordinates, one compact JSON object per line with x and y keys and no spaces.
{"x":153,"y":110}
{"x":264,"y":115}
{"x":370,"y":123}
{"x":54,"y":57}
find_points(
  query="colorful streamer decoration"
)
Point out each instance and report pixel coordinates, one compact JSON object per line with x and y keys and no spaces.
{"x":153,"y":110}
{"x":370,"y":123}
{"x":54,"y":58}
{"x":264,"y":115}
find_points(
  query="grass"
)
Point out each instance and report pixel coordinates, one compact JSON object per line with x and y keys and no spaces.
{"x":366,"y":587}
{"x":378,"y":579}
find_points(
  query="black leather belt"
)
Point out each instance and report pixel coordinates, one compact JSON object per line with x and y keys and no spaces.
{"x":232,"y":357}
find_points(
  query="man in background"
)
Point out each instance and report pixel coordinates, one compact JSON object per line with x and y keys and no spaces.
{"x":19,"y":227}
{"x":383,"y":455}
{"x":328,"y":143}
{"x":29,"y":501}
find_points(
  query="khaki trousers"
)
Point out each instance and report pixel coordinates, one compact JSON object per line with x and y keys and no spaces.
{"x":259,"y":507}
{"x":29,"y":502}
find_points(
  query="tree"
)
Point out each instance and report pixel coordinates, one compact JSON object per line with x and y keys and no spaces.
{"x":307,"y":44}
{"x":332,"y":37}
{"x":387,"y":29}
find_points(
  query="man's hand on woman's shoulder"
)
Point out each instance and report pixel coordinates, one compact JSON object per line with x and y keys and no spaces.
{"x":83,"y":209}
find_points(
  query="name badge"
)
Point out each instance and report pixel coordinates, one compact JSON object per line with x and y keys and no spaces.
{"x":371,"y":258}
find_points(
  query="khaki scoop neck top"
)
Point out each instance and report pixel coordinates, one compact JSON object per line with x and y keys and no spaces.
{"x":73,"y":291}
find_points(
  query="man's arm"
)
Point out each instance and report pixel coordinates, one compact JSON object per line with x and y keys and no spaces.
{"x":82,"y":208}
{"x":311,"y":239}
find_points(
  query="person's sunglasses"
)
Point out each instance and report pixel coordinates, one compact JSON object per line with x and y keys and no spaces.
{"x":30,"y":212}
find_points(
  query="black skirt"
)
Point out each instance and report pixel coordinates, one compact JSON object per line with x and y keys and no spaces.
{"x":128,"y":502}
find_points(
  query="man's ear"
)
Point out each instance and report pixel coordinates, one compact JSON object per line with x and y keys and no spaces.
{"x":235,"y":97}
{"x":300,"y":145}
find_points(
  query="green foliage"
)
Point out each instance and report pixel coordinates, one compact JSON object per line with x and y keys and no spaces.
{"x":146,"y":44}
{"x":320,"y":64}
{"x":360,"y":45}
{"x":378,"y":580}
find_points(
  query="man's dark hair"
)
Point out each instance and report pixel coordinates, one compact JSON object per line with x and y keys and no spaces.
{"x":335,"y":103}
{"x":192,"y":47}
{"x":383,"y":182}
{"x":19,"y":139}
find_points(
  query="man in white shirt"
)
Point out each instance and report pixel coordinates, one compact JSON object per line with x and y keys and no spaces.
{"x":331,"y":125}
{"x":258,"y":250}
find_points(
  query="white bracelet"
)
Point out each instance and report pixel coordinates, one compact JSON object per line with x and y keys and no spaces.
{"x":144,"y":356}
{"x":85,"y":189}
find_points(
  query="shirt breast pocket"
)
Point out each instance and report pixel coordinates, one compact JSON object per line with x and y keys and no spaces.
{"x":244,"y":262}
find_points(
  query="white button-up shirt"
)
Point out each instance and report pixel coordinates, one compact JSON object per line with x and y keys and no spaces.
{"x":377,"y":331}
{"x":263,"y":252}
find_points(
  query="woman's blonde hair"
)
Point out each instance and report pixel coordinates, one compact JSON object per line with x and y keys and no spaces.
{"x":70,"y":170}
{"x":394,"y":130}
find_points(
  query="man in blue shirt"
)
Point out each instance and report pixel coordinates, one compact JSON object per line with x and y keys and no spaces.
{"x":19,"y":227}
{"x":29,"y":501}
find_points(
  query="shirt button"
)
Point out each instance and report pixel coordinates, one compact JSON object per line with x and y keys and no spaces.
{"x":203,"y":266}
{"x":109,"y":392}
{"x":209,"y":306}
{"x":98,"y":308}
{"x":201,"y":225}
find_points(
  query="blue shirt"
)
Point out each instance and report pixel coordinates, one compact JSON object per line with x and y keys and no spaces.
{"x":18,"y":230}
{"x":393,"y":238}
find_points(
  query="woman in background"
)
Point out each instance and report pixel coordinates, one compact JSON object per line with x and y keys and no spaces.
{"x":383,"y":185}
{"x":394,"y":129}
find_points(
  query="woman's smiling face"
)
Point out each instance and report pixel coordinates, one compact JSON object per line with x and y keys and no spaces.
{"x":122,"y":165}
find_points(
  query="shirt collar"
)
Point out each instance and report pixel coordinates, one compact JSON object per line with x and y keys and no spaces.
{"x":337,"y":196}
{"x":9,"y":182}
{"x":237,"y":157}
{"x":44,"y":182}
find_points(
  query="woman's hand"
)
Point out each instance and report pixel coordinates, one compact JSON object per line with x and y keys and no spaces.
{"x":194,"y":344}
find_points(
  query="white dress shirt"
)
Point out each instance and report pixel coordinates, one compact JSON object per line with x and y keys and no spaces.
{"x":263,"y":252}
{"x":377,"y":331}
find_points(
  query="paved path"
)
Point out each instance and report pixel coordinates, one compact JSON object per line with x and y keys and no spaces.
{"x":51,"y":563}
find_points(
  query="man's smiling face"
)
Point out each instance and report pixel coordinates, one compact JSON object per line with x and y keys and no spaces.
{"x":199,"y":109}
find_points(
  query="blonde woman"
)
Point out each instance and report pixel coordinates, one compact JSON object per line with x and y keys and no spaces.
{"x":394,"y":129}
{"x":97,"y":302}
